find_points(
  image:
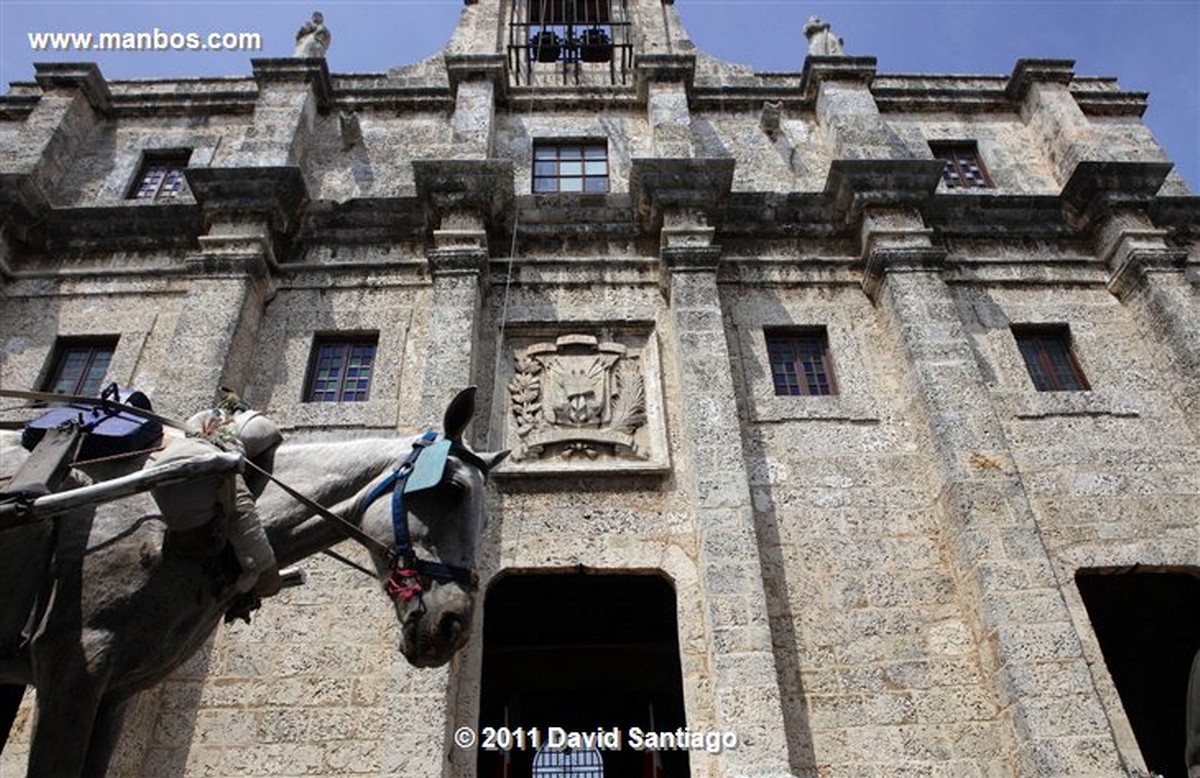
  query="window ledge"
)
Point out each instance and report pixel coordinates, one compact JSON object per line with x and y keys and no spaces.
{"x":837,"y":408}
{"x":1044,"y":405}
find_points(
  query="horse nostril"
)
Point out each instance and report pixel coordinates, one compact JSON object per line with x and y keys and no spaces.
{"x":449,"y":628}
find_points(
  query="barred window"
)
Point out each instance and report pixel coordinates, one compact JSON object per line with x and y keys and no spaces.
{"x":964,"y":169}
{"x":79,"y":364}
{"x":340,"y":369}
{"x":161,"y":175}
{"x":800,"y":362}
{"x":570,"y":167}
{"x":1046,"y":350}
{"x":573,"y":762}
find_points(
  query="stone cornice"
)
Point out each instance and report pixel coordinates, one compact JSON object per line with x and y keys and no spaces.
{"x":277,"y":193}
{"x":1028,"y":72}
{"x":478,"y":67}
{"x":482,"y":186}
{"x":1137,"y":263}
{"x":23,"y":208}
{"x":665,"y":68}
{"x":1094,"y":187}
{"x":818,"y":69}
{"x":84,"y":76}
{"x":661,"y":183}
{"x":854,"y":184}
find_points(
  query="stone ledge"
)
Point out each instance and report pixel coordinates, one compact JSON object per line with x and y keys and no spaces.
{"x":132,"y":225}
{"x":1033,"y":405}
{"x":1138,"y":262}
{"x":825,"y":408}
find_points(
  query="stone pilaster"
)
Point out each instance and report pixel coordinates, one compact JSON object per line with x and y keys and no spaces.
{"x":1028,"y":643}
{"x":846,"y":109}
{"x":477,"y":80}
{"x":216,"y":337}
{"x":1146,"y":272}
{"x":48,"y":142}
{"x":745,"y":688}
{"x":291,"y":92}
{"x":664,"y":82}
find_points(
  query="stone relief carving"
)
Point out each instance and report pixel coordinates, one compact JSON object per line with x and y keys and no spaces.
{"x":577,"y":397}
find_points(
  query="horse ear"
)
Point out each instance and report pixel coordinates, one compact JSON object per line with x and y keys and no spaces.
{"x":493,"y":458}
{"x":459,"y":413}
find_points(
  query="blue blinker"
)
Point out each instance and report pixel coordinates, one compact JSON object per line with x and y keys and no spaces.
{"x":427,"y":470}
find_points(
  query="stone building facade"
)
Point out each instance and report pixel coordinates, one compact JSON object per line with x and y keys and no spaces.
{"x":639,"y":253}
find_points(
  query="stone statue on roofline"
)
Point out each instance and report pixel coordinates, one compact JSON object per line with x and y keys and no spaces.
{"x":312,"y":40}
{"x":821,"y":40}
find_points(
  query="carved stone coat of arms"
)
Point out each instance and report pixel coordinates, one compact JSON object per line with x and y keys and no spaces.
{"x":576,"y":397}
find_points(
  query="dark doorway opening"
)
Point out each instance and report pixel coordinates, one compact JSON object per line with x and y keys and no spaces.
{"x":581,"y":652}
{"x":1148,"y":626}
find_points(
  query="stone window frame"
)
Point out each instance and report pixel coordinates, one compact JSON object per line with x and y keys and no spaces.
{"x":819,"y":361}
{"x":960,"y":156}
{"x":1046,"y":351}
{"x":557,"y":177}
{"x":167,"y":165}
{"x":90,"y":347}
{"x":347,"y":341}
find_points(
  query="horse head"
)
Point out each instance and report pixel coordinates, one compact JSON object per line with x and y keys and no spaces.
{"x":433,"y":529}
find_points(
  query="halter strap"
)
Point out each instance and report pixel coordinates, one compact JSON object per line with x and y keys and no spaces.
{"x":406,"y":566}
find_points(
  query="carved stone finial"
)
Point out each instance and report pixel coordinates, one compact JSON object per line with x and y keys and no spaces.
{"x":312,"y":40}
{"x":821,"y":40}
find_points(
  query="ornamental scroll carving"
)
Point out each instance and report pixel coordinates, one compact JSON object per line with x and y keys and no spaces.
{"x":577,"y":397}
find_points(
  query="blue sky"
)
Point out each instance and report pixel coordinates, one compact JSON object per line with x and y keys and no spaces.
{"x":1151,"y":45}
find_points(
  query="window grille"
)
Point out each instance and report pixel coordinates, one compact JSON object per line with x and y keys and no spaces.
{"x":570,"y":167}
{"x":161,"y":175}
{"x":800,"y":362}
{"x":79,"y":364}
{"x":340,"y":369}
{"x":964,"y":169}
{"x":1049,"y":359}
{"x":570,"y":38}
{"x":572,"y":762}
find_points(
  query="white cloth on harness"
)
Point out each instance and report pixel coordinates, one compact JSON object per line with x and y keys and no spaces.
{"x":194,"y":503}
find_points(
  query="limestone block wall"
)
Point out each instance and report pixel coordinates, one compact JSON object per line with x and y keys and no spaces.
{"x":879,"y":667}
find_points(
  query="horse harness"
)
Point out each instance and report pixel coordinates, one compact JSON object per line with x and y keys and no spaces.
{"x":422,"y":469}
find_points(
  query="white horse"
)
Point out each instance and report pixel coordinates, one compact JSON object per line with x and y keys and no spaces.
{"x":110,"y":602}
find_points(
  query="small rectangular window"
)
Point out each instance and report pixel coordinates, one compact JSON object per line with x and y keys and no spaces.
{"x":161,"y":175}
{"x":964,"y":169}
{"x":1046,"y":350}
{"x":800,"y":362}
{"x":78,"y":365}
{"x":577,"y":167}
{"x":340,"y":369}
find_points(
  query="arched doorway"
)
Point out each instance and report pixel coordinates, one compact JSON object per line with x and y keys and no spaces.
{"x":582,"y":653}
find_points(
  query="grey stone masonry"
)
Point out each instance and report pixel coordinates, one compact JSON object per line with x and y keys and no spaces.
{"x":1052,"y":717}
{"x":743,"y":672}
